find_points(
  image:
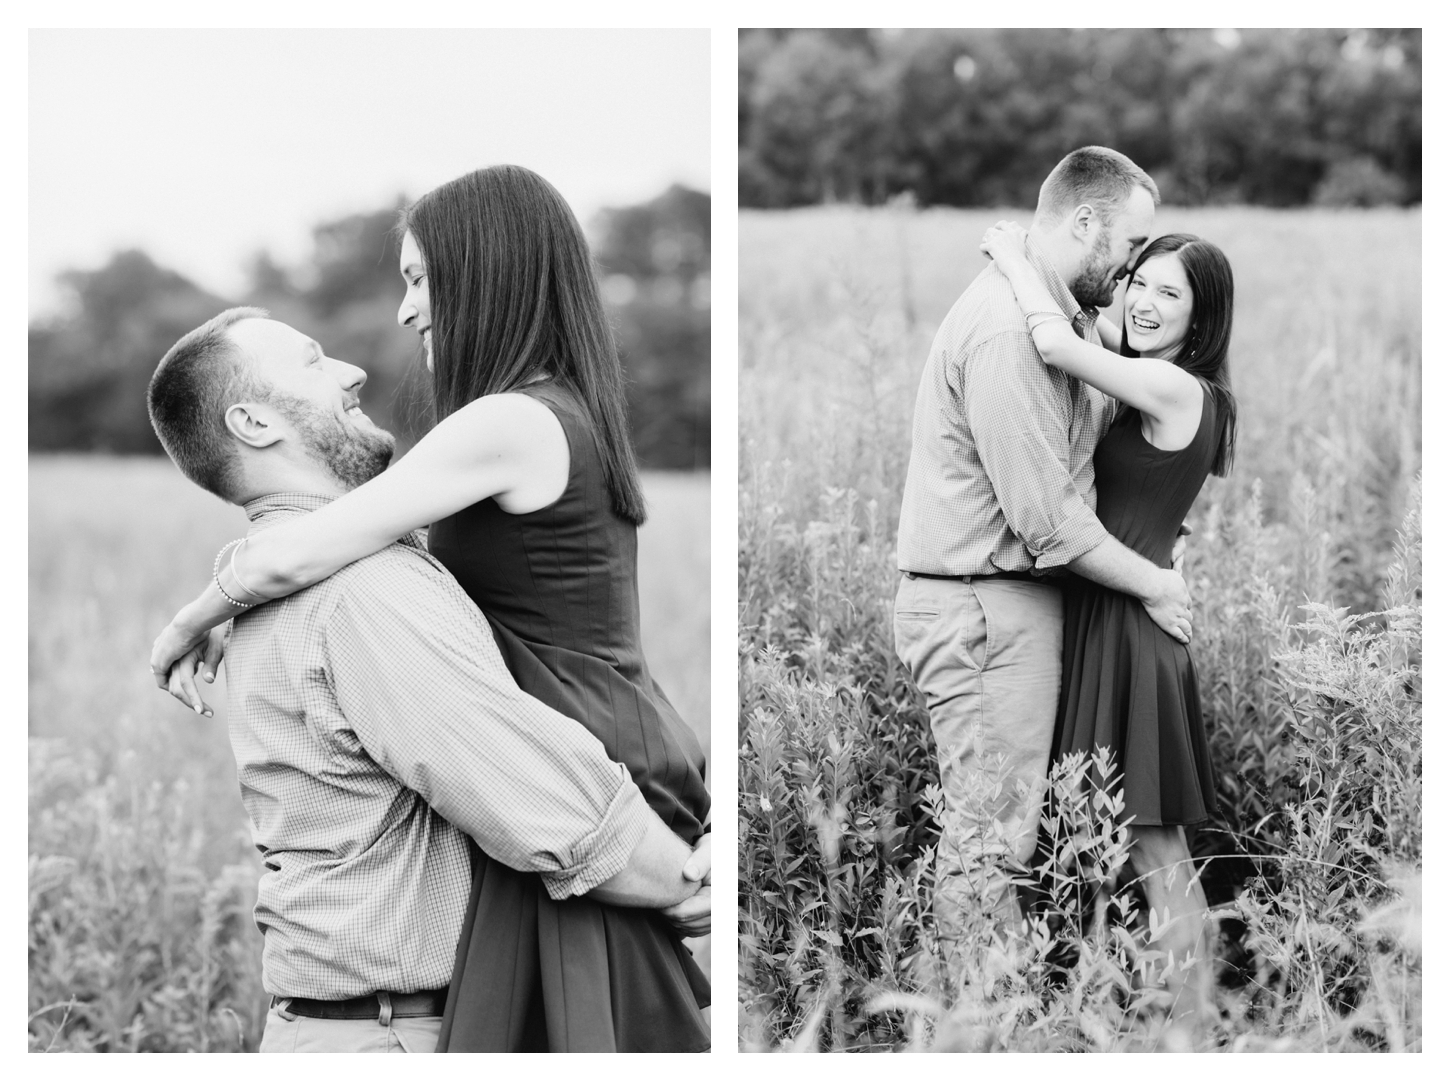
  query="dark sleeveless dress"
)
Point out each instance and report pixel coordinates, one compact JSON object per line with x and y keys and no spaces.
{"x":558,"y":587}
{"x":1127,"y":684}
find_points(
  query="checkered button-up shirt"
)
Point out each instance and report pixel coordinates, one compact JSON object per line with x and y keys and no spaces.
{"x":1001,"y":469}
{"x":375,"y":728}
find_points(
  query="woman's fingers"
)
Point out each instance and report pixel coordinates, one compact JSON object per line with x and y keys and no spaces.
{"x":182,"y":685}
{"x":215,"y":650}
{"x":171,"y":645}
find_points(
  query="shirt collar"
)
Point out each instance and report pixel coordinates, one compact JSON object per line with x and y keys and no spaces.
{"x":1063,"y":297}
{"x":268,"y":510}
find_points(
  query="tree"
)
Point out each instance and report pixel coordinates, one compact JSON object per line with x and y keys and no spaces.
{"x":978,"y":117}
{"x":90,"y":365}
{"x":88,"y":373}
{"x":656,"y":258}
{"x":815,"y":130}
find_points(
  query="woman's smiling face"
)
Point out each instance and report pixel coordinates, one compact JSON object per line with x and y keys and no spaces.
{"x":1158,"y":307}
{"x":413,"y":312}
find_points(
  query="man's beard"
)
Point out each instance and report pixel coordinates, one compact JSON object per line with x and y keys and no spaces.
{"x":352,"y":454}
{"x":1096,"y":280}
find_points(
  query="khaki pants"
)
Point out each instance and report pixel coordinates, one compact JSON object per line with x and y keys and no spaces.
{"x":292,"y":1032}
{"x":987,"y":654}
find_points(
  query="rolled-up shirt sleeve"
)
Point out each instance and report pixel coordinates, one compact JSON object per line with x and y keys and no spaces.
{"x":1019,"y":415}
{"x":418,"y":676}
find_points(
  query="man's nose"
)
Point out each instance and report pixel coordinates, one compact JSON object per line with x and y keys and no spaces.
{"x":350,"y":375}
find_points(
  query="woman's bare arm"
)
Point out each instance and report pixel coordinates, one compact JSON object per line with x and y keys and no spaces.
{"x":1157,"y":389}
{"x":493,"y":447}
{"x":507,"y":446}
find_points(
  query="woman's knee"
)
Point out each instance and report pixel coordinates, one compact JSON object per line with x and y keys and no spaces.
{"x":1157,"y":847}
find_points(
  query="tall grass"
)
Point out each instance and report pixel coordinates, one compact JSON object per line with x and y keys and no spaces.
{"x":141,"y":869}
{"x":1304,"y":566}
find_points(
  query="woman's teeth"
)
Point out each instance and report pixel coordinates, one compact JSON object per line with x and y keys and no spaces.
{"x":1144,"y":324}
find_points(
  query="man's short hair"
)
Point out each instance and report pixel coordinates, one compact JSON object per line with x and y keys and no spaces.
{"x":202,"y":376}
{"x":1102,"y":178}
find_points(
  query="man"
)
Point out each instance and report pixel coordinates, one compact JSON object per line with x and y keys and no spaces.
{"x":374,"y":724}
{"x":999,"y":499}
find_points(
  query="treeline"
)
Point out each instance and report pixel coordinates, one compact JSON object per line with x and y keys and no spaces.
{"x":90,"y":365}
{"x":978,"y":117}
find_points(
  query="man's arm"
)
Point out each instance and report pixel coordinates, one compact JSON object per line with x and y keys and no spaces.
{"x":654,"y":876}
{"x":418,"y":676}
{"x":1019,"y":416}
{"x":1163,"y":592}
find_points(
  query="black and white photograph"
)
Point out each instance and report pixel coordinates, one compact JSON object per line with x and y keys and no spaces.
{"x":369,"y":540}
{"x":1068,"y":385}
{"x":1079,"y":540}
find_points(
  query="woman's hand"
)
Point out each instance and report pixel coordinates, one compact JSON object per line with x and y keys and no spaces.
{"x":173,"y":643}
{"x":199,"y":655}
{"x":1006,"y":242}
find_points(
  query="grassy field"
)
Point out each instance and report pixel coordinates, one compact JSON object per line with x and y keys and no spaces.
{"x":142,"y":873}
{"x":1314,"y":713}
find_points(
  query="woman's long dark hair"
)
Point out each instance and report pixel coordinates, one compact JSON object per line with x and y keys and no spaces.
{"x":1204,"y":351}
{"x":513,"y":296}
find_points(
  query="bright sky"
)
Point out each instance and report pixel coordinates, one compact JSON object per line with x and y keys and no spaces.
{"x":205,"y":146}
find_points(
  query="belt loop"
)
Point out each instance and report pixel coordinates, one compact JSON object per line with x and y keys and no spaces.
{"x":385,"y":1009}
{"x":282,"y":1011}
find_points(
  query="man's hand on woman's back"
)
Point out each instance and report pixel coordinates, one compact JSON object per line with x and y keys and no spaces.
{"x":1169,"y":606}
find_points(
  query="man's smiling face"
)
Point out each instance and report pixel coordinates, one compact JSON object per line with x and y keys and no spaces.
{"x":1114,"y":247}
{"x":317,"y":398}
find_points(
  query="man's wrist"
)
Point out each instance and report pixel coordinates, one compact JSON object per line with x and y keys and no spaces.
{"x":1157,"y":586}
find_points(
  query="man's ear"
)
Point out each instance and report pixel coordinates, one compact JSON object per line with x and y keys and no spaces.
{"x":254,"y":424}
{"x":1083,"y":221}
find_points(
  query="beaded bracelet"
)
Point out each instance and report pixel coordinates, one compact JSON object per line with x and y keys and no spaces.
{"x":238,"y":578}
{"x":217,"y":577}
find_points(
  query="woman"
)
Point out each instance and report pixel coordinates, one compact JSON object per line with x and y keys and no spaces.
{"x":1127,"y":684}
{"x":532,"y":490}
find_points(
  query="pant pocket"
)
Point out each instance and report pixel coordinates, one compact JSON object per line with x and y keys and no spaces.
{"x":913,"y":615}
{"x":1022,"y":621}
{"x":279,"y":1033}
{"x":416,"y":1035}
{"x":974,"y":634}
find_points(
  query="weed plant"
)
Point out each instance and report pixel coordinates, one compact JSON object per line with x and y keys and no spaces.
{"x":1304,"y":568}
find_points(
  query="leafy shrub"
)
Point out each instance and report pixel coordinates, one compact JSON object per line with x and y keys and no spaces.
{"x":133,"y":947}
{"x":1316,"y":730}
{"x":1359,"y":181}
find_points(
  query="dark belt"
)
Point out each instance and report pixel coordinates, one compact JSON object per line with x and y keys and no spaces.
{"x":369,"y":1007}
{"x":1010,"y":576}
